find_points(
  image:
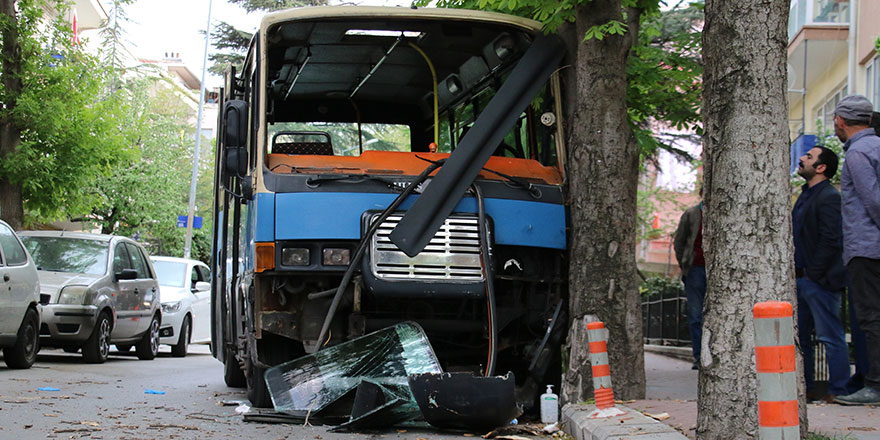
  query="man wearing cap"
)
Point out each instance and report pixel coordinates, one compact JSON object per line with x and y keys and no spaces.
{"x":860,"y":193}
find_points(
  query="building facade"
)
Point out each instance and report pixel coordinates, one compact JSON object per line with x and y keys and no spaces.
{"x":831,"y":54}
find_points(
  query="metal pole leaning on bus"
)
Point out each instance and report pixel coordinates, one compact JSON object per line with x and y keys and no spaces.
{"x":597,"y":336}
{"x":775,"y":364}
{"x":190,"y":217}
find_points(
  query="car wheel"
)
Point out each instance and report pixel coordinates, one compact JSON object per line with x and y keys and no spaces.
{"x":148,"y":347}
{"x":97,"y":347}
{"x":24,"y":353}
{"x":232,"y":374}
{"x":124,"y":348}
{"x":179,"y":349}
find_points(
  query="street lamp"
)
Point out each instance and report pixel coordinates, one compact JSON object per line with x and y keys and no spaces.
{"x":187,"y":247}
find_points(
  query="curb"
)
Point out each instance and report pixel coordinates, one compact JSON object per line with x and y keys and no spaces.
{"x":683,"y":353}
{"x":577,"y":423}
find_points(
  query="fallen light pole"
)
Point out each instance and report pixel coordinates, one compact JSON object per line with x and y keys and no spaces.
{"x":775,"y":364}
{"x":597,"y":336}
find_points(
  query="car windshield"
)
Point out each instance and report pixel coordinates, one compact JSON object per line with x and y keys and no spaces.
{"x":65,"y":254}
{"x":171,"y":273}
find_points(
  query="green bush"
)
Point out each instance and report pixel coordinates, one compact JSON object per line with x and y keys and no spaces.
{"x":665,"y":286}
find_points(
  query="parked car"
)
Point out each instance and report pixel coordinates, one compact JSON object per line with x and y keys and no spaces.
{"x":186,"y":302}
{"x":96,"y":290}
{"x":19,"y":296}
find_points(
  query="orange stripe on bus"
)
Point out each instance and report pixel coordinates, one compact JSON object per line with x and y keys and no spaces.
{"x":778,"y":359}
{"x":407,"y":164}
{"x":598,"y":347}
{"x":601,"y":370}
{"x":772,"y":309}
{"x":778,"y":414}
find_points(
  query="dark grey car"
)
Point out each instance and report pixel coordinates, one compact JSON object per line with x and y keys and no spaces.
{"x":96,"y":290}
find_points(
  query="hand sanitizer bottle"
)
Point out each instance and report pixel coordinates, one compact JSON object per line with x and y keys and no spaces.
{"x":549,"y":406}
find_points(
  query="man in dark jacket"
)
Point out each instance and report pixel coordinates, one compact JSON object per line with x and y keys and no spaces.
{"x":821,"y":276}
{"x":688,"y":245}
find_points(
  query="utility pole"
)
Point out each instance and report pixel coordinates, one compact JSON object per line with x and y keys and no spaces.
{"x":187,"y":247}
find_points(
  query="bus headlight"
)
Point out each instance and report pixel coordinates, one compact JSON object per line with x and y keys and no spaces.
{"x":295,"y":256}
{"x":336,"y":257}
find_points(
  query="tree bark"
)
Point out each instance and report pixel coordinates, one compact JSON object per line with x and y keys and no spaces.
{"x":11,"y":209}
{"x":746,"y":220}
{"x":603,"y":175}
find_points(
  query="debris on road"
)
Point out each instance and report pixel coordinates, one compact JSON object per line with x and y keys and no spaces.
{"x":465,"y":401}
{"x":551,"y":428}
{"x":171,"y":426}
{"x":662,"y":416}
{"x":382,"y":379}
{"x":48,"y":389}
{"x":149,"y":391}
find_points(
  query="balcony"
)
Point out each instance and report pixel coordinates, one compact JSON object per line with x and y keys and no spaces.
{"x":816,"y":12}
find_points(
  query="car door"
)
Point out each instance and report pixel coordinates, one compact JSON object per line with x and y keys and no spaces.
{"x":201,"y":308}
{"x":126,"y":298}
{"x":145,"y":289}
{"x":18,"y":282}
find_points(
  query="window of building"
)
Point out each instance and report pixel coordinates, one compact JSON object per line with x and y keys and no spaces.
{"x":825,"y":113}
{"x":873,"y":90}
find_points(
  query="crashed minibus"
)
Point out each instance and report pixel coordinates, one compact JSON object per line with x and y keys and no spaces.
{"x":378,"y":165}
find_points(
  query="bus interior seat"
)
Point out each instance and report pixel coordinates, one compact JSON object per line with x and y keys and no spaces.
{"x":302,"y":142}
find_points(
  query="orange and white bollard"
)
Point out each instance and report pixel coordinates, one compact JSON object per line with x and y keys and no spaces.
{"x":597,"y":335}
{"x":775,"y":362}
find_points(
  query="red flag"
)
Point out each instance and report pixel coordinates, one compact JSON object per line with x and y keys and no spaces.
{"x":656,"y":224}
{"x":75,"y":38}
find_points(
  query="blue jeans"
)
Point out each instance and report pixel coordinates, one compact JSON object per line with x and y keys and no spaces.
{"x":820,"y":309}
{"x":695,"y":288}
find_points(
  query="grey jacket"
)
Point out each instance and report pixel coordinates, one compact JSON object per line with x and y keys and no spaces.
{"x":860,"y":194}
{"x":685,"y":235}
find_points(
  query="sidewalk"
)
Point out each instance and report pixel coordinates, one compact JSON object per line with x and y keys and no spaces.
{"x":672,"y":388}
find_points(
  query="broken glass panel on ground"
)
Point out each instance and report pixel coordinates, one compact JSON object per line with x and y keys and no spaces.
{"x":384,"y":379}
{"x":386,"y":357}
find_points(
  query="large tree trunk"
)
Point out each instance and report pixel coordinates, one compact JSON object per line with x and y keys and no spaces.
{"x":747,"y":220}
{"x":603,"y":175}
{"x":10,"y":136}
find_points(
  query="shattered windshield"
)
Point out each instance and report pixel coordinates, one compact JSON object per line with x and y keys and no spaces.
{"x":312,"y":382}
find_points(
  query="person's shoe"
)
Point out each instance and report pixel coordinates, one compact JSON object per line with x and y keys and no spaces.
{"x":864,"y":396}
{"x":696,"y":365}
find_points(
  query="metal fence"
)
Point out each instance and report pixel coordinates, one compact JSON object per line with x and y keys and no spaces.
{"x":664,"y":319}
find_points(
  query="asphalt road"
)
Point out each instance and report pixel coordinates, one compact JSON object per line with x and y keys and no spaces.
{"x":110,"y":401}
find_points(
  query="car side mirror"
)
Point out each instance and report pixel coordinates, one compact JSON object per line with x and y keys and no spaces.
{"x":235,"y":155}
{"x":126,"y":274}
{"x":201,"y":286}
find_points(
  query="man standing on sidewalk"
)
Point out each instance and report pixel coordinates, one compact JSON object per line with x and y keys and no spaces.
{"x":860,"y":188}
{"x":821,"y":276}
{"x":688,"y":245}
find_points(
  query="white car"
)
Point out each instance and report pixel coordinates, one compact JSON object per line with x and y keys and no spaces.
{"x":19,"y":296}
{"x":185,"y":294}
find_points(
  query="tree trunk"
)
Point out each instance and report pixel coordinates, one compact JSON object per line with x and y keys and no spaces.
{"x":11,"y":209}
{"x":747,"y":219}
{"x":603,"y":175}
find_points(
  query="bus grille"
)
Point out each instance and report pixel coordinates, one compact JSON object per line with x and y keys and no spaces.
{"x":452,"y":255}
